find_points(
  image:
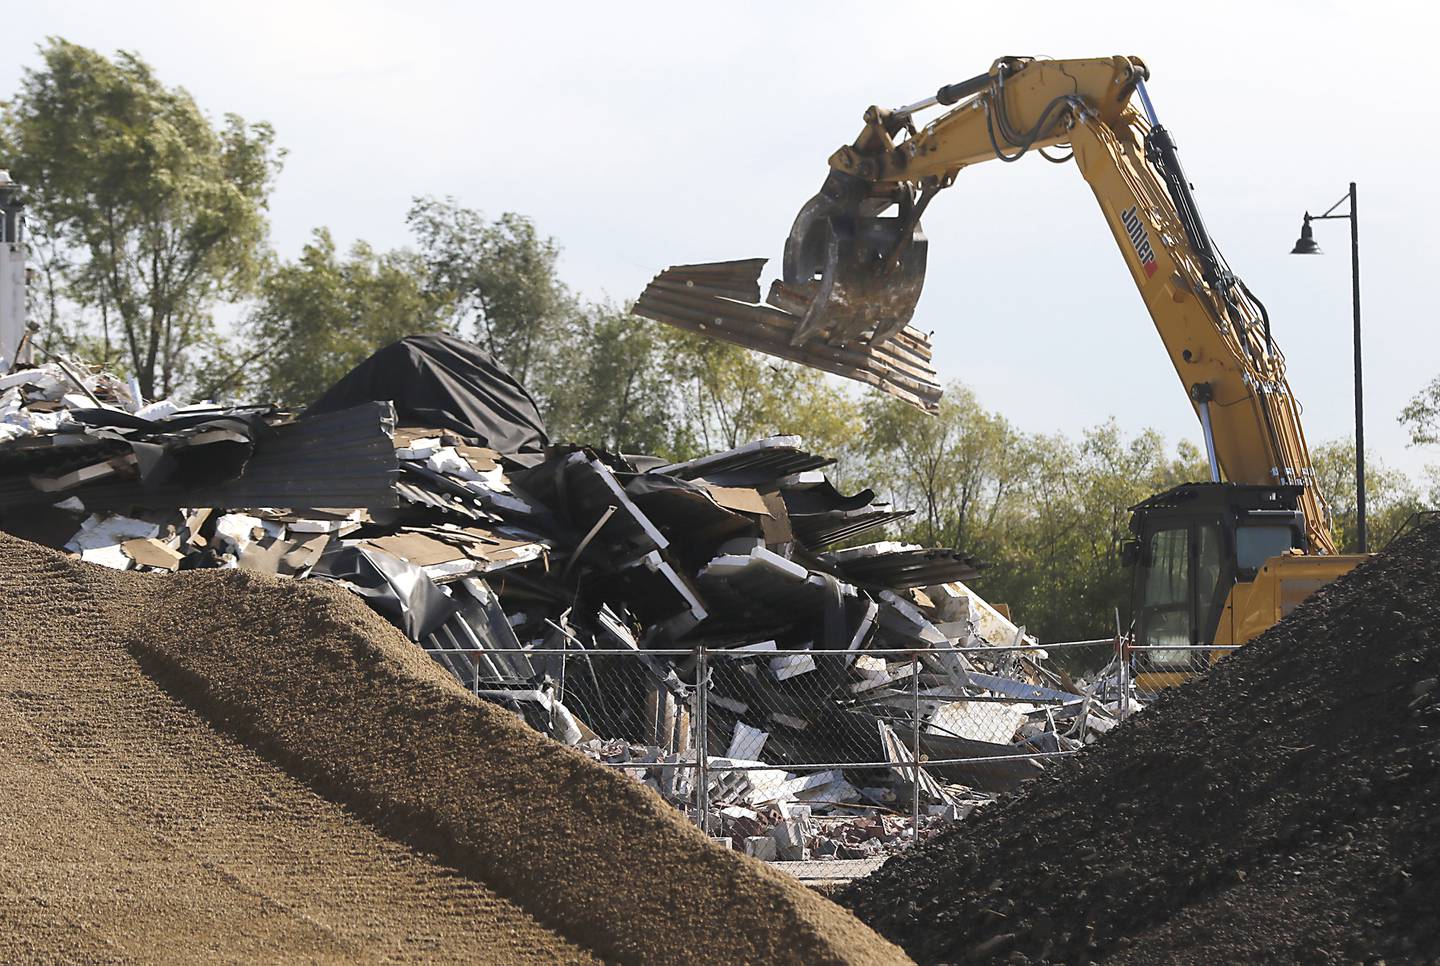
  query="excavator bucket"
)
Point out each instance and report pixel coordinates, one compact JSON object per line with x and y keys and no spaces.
{"x":852,"y":276}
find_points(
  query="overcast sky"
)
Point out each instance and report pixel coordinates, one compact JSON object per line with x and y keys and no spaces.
{"x":642,"y":135}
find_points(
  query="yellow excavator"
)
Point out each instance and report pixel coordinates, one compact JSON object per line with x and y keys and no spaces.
{"x":1216,"y":562}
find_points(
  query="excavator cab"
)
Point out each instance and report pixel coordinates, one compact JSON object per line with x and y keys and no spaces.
{"x":1194,"y":545}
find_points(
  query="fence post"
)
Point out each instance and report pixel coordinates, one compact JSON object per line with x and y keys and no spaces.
{"x":560,"y":696}
{"x":1124,"y":678}
{"x":702,"y":733}
{"x":915,"y":748}
{"x":564,"y":662}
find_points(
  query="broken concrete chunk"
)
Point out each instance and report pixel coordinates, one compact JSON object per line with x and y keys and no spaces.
{"x":236,"y":531}
{"x":789,"y":839}
{"x":762,"y":847}
{"x":104,"y":530}
{"x":149,"y":552}
{"x":785,"y":668}
{"x":113,"y":557}
{"x":746,"y":742}
{"x":419,"y":450}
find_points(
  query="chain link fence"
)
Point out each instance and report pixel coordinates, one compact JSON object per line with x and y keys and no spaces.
{"x":827,"y":761}
{"x":1150,"y":670}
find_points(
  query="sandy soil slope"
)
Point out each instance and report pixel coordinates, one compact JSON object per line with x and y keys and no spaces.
{"x":215,"y":765}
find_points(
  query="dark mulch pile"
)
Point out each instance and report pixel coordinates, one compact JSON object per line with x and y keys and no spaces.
{"x":1284,"y":808}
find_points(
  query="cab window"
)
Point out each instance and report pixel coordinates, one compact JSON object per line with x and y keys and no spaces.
{"x":1255,"y":545}
{"x":1183,"y":587}
{"x":1209,"y":595}
{"x":1165,"y":616}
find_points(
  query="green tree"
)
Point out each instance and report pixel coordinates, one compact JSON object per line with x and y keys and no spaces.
{"x":1390,"y":495}
{"x":152,"y":212}
{"x":957,"y":468}
{"x":323,"y":314}
{"x":1058,"y":560}
{"x":617,"y":392}
{"x":1116,"y":473}
{"x":500,"y":279}
{"x":1040,"y":561}
{"x":1048,"y":513}
{"x":728,"y":395}
{"x":1422,"y":415}
{"x":600,"y":375}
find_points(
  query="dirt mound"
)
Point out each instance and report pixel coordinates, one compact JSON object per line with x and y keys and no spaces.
{"x":218,"y":764}
{"x":1286,"y":807}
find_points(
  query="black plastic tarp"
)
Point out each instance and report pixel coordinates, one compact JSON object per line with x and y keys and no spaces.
{"x":441,"y":382}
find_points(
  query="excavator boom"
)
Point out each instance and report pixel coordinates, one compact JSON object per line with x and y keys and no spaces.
{"x":855,"y":259}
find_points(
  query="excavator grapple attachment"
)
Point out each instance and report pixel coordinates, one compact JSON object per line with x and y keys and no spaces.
{"x":851,"y":272}
{"x":852,"y":275}
{"x":718,"y":300}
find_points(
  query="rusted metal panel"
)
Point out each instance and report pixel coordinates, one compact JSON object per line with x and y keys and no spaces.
{"x":721,"y":300}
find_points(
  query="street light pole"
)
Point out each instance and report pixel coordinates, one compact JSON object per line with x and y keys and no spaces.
{"x":1359,"y":379}
{"x":1307,"y":246}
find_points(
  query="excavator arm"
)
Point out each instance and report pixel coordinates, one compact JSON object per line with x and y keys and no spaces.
{"x":855,"y":259}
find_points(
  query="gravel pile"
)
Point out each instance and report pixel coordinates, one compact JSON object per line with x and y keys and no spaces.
{"x":219,"y":764}
{"x":1284,"y":808}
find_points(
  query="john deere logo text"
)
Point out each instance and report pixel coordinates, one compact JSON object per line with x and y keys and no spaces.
{"x":1140,"y":238}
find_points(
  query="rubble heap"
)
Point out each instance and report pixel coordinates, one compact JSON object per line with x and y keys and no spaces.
{"x":577,"y":587}
{"x":85,"y":442}
{"x":1281,"y":808}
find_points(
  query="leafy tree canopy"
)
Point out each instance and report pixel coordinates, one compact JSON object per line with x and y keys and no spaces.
{"x":1390,"y":495}
{"x":323,"y":314}
{"x":1422,"y":415}
{"x":149,"y":210}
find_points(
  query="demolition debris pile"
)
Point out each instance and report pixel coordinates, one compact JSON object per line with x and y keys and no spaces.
{"x":577,"y":587}
{"x":241,"y":767}
{"x":1284,"y":807}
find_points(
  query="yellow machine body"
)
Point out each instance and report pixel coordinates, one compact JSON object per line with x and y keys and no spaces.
{"x":1281,"y":585}
{"x":1216,"y":333}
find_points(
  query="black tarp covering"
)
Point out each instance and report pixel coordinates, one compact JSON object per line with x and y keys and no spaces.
{"x":441,"y":382}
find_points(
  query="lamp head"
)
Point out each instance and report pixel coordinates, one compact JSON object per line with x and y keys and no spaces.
{"x":1306,"y":243}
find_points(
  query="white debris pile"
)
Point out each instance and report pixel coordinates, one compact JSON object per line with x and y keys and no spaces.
{"x":797,"y":833}
{"x":36,"y":401}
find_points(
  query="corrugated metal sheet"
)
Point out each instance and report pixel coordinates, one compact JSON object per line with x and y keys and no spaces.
{"x":342,"y":459}
{"x":873,"y":566}
{"x":718,"y":299}
{"x":479,"y":626}
{"x":817,"y":530}
{"x":762,"y":461}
